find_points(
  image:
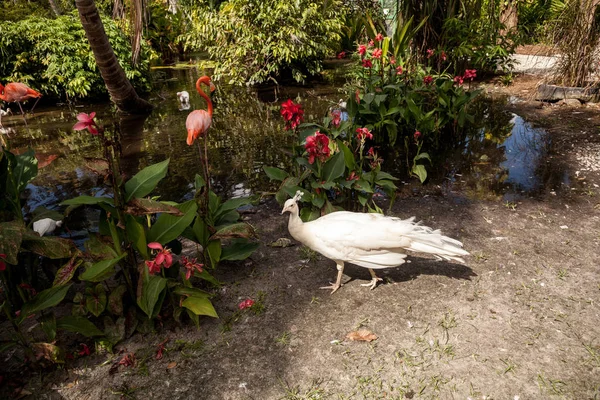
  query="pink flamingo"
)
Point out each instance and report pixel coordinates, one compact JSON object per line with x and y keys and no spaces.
{"x":16,"y":92}
{"x":198,"y":122}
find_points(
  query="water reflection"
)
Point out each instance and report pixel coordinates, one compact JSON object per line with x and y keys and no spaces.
{"x":500,"y":155}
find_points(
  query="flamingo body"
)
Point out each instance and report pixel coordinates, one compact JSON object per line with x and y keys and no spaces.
{"x":17,"y":92}
{"x":197,"y":123}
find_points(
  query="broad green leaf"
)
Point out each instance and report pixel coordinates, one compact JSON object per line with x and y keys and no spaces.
{"x":11,"y":234}
{"x":142,"y":183}
{"x":421,"y":156}
{"x":214,"y":252}
{"x":95,"y":299}
{"x":151,"y":291}
{"x":239,"y":230}
{"x":201,"y":231}
{"x":79,"y":325}
{"x":234,"y":204}
{"x":207,"y":277}
{"x":87,"y":200}
{"x":363,"y":186}
{"x":384,"y":175}
{"x":275,"y":173}
{"x":420,"y":171}
{"x":200,"y":306}
{"x":66,"y":272}
{"x":307,"y":214}
{"x":42,"y":212}
{"x":100,"y":247}
{"x":238,"y":250}
{"x":114,"y":330}
{"x":47,"y":246}
{"x":318,"y":201}
{"x":115,"y":299}
{"x":43,"y":300}
{"x":48,"y":323}
{"x":142,"y":206}
{"x":23,"y":167}
{"x":348,"y":156}
{"x":168,"y":227}
{"x":99,"y":270}
{"x":199,"y":182}
{"x":334,"y":167}
{"x":136,"y":235}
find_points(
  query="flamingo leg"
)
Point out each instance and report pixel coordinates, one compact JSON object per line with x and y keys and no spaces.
{"x":34,"y":104}
{"x":338,"y":281}
{"x":206,"y":161}
{"x":374,"y":280}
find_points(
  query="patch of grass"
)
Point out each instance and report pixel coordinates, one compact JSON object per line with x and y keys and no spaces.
{"x":555,"y":386}
{"x":509,"y":366}
{"x":125,"y":391}
{"x":314,"y":392}
{"x":510,"y":205}
{"x":284,"y":338}
{"x":562,"y":274}
{"x":314,"y":300}
{"x":480,"y":256}
{"x":306,"y":253}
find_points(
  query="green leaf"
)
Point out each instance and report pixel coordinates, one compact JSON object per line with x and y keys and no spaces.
{"x":114,"y":331}
{"x":79,"y":325}
{"x":136,"y":235}
{"x":98,"y":271}
{"x":214,"y":252}
{"x":200,"y":306}
{"x":348,"y":155}
{"x":42,"y":212}
{"x":201,"y":231}
{"x":168,"y":227}
{"x":11,"y":234}
{"x":199,"y":182}
{"x":307,"y":214}
{"x":98,"y":247}
{"x":87,"y":200}
{"x":190,"y":291}
{"x":151,"y":291}
{"x":115,"y":299}
{"x":142,"y":183}
{"x":95,"y":299}
{"x":421,"y":156}
{"x":420,"y":171}
{"x":6,"y":345}
{"x":384,"y":175}
{"x":363,"y":185}
{"x":48,"y":323}
{"x":239,"y":230}
{"x":51,"y":247}
{"x":275,"y":173}
{"x":43,"y":300}
{"x":23,"y":169}
{"x":238,"y":250}
{"x":207,"y":277}
{"x":233,"y":204}
{"x":334,"y":167}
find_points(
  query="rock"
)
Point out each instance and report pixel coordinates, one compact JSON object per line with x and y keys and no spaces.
{"x":553,"y":92}
{"x":570,"y":103}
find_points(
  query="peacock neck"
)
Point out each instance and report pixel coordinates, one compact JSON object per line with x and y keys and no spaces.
{"x":295,"y":223}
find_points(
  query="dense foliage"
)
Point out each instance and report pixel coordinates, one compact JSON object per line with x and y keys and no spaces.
{"x":53,"y":56}
{"x":252,"y":41}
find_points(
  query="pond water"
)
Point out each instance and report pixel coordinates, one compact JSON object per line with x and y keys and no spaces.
{"x":502,"y":156}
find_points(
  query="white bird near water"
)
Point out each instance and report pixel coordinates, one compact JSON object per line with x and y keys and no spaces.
{"x":372,"y":241}
{"x":184,"y":97}
{"x":46,"y":225}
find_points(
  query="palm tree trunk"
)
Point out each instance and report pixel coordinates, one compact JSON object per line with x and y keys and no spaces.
{"x":118,"y":86}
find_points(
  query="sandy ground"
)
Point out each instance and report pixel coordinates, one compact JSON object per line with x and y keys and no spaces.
{"x":519,"y":321}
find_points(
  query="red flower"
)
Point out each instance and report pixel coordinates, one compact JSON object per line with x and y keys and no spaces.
{"x":357,"y":95}
{"x":2,"y":263}
{"x":246,"y":304}
{"x":443,"y":56}
{"x":162,"y":257}
{"x":363,"y":133}
{"x":85,"y":350}
{"x":292,"y":113}
{"x":429,"y":53}
{"x":362,"y":49}
{"x":27,"y":287}
{"x":191,"y":265}
{"x":470,"y":74}
{"x":128,"y":360}
{"x":352,"y":176}
{"x":371,"y":151}
{"x":371,"y":43}
{"x":377,"y":53}
{"x":399,"y":70}
{"x":428,"y":79}
{"x":86,"y":121}
{"x":317,"y":147}
{"x":417,"y":135}
{"x":161,"y":349}
{"x":367,"y":63}
{"x":379,"y":37}
{"x":341,"y":54}
{"x":336,"y":118}
{"x":392,"y":61}
{"x":458,"y":80}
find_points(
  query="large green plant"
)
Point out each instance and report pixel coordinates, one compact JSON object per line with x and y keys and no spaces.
{"x":254,"y":41}
{"x":54,"y":57}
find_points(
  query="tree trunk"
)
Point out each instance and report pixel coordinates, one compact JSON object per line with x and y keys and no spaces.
{"x":118,"y":86}
{"x":509,"y":17}
{"x":55,"y":7}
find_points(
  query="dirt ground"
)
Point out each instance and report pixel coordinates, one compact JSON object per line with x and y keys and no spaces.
{"x":521,"y":320}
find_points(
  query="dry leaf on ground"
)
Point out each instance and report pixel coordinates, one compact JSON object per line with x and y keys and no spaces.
{"x":363,"y":335}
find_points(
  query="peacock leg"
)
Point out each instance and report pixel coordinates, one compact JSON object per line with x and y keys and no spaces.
{"x":374,"y":280}
{"x":338,"y":282}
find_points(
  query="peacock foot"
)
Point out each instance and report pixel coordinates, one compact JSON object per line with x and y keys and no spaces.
{"x":373,"y":283}
{"x":333,"y":287}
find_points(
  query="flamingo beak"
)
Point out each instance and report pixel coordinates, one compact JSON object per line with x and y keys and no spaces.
{"x":212,"y":86}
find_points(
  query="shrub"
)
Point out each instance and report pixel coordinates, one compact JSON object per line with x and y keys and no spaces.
{"x":53,"y":56}
{"x":254,"y":41}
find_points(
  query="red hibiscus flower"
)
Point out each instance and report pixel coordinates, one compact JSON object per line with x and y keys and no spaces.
{"x":399,"y":70}
{"x":428,"y":79}
{"x":458,"y":80}
{"x":417,"y":135}
{"x":163,"y":257}
{"x":85,"y":350}
{"x":317,"y":147}
{"x":292,"y":113}
{"x":392,"y":61}
{"x":371,"y":43}
{"x":190,"y":266}
{"x":429,"y":53}
{"x":379,"y":37}
{"x":367,"y":63}
{"x":377,"y":53}
{"x":443,"y":56}
{"x":86,"y":121}
{"x":470,"y":74}
{"x":341,"y":54}
{"x":246,"y":304}
{"x":362,"y":49}
{"x":363,"y":133}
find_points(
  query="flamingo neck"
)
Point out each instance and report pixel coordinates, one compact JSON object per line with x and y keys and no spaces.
{"x":2,"y":92}
{"x":206,"y":80}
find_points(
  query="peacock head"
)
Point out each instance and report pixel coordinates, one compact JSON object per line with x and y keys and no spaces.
{"x":291,"y":205}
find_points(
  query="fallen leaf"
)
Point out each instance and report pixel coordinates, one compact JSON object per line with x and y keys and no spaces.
{"x":281,"y":242}
{"x":363,"y":335}
{"x":172,"y":364}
